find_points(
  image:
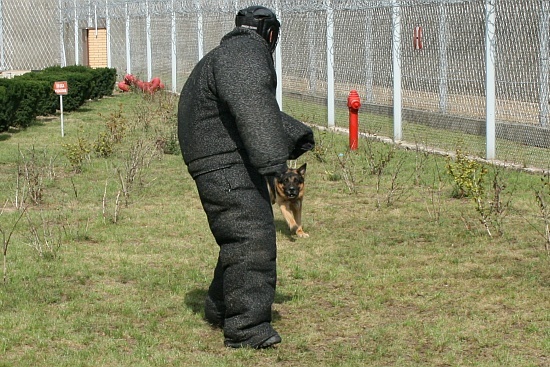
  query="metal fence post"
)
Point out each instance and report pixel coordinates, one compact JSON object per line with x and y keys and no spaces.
{"x":174,"y":50}
{"x":279,"y":61}
{"x":108,"y":26}
{"x":443,"y":63}
{"x":544,"y":63}
{"x":330,"y":63}
{"x":76,"y":38}
{"x":199,"y":30}
{"x":128,"y":55}
{"x":396,"y":62}
{"x":148,"y":37}
{"x":490,"y":66}
{"x":63,"y":58}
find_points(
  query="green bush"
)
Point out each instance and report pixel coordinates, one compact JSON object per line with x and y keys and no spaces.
{"x":22,"y":100}
{"x":36,"y":99}
{"x":25,"y":97}
{"x":468,"y":175}
{"x":81,"y":85}
{"x":8,"y":100}
{"x":101,"y":83}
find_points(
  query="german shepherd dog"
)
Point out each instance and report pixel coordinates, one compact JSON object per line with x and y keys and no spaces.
{"x":287,"y":190}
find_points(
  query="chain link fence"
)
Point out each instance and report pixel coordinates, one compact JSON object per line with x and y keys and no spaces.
{"x":472,"y":74}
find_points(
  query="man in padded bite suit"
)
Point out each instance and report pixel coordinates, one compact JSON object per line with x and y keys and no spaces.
{"x":233,"y":135}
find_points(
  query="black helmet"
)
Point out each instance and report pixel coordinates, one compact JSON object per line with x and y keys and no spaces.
{"x":262,"y":20}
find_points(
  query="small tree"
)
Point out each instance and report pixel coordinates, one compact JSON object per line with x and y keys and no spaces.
{"x":6,"y":237}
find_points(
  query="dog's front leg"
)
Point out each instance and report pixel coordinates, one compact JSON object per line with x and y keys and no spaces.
{"x":296,"y":208}
{"x":289,"y":217}
{"x":292,"y":212}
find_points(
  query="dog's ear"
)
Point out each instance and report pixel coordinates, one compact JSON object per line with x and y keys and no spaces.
{"x":302,"y":169}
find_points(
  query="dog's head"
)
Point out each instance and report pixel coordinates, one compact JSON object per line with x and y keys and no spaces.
{"x":290,"y":184}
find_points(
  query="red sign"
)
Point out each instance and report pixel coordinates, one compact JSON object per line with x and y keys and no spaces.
{"x":417,"y":39}
{"x":61,"y":88}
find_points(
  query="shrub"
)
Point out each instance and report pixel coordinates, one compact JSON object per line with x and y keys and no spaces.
{"x":468,"y":175}
{"x":76,"y":153}
{"x":25,"y":97}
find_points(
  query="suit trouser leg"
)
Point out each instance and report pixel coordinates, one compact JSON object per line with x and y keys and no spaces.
{"x":240,"y":215}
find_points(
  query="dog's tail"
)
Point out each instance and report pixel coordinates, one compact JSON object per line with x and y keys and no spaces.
{"x":271,"y":186}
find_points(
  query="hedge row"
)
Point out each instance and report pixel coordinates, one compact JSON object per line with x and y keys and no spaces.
{"x":25,"y":97}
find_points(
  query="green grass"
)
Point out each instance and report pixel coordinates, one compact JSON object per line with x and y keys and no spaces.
{"x":397,"y":271}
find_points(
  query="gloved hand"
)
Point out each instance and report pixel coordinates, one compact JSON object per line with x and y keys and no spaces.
{"x":299,"y":136}
{"x":304,"y":144}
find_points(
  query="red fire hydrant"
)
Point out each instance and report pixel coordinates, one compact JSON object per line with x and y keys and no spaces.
{"x":354,"y":102}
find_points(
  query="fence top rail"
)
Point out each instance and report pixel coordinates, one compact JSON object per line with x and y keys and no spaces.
{"x":82,"y":9}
